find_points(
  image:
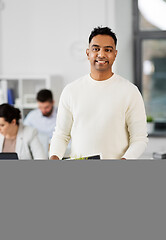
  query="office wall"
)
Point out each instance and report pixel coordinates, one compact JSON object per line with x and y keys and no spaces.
{"x":123,"y":26}
{"x":50,"y":36}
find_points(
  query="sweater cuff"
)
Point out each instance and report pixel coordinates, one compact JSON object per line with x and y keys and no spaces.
{"x":135,"y":150}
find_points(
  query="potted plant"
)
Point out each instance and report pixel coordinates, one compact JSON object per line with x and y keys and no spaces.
{"x":150,"y":124}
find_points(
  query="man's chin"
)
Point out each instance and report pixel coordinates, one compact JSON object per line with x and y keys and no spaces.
{"x":46,"y":114}
{"x":102,"y":69}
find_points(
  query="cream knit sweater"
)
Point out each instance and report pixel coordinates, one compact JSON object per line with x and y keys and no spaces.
{"x":101,"y":117}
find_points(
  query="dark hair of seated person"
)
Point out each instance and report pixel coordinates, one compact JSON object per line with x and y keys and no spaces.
{"x":8,"y":112}
{"x":44,"y":95}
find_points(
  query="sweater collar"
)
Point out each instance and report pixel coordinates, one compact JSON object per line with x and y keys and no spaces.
{"x":103,"y":82}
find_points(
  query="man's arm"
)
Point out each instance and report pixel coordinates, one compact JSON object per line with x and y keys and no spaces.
{"x":28,"y":119}
{"x":137,"y":126}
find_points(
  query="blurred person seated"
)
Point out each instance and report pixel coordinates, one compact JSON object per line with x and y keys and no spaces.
{"x":15,"y":137}
{"x":44,"y":117}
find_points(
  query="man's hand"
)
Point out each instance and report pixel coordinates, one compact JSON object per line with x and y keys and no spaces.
{"x":54,"y":157}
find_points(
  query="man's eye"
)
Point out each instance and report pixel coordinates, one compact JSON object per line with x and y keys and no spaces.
{"x":108,"y":50}
{"x":95,"y":49}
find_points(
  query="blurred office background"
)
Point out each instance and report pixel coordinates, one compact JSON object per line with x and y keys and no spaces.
{"x":43,"y":44}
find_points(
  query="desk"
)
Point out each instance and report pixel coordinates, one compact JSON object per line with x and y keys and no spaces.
{"x":156,"y":144}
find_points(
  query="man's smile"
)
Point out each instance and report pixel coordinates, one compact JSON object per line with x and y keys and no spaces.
{"x":101,"y":61}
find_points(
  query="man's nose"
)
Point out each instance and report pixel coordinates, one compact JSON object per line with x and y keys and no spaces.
{"x":101,"y":53}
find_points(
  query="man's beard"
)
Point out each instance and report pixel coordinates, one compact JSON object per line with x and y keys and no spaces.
{"x":48,"y":113}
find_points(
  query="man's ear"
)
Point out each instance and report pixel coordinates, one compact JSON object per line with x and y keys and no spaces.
{"x":116,"y":53}
{"x":87,"y":53}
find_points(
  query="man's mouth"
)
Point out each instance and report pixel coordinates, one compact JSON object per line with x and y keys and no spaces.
{"x":101,"y":61}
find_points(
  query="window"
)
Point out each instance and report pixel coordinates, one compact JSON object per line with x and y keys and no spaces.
{"x":150,"y":55}
{"x":152,"y":15}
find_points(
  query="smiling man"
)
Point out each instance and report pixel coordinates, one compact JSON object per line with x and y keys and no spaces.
{"x":102,"y":113}
{"x":101,"y":54}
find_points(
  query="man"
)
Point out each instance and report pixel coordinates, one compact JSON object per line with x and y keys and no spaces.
{"x":43,"y":118}
{"x":102,"y":113}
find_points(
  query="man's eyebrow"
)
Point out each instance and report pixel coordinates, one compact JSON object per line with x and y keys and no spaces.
{"x":108,"y":47}
{"x":95,"y":45}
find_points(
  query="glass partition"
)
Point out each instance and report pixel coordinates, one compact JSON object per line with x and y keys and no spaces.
{"x":154,"y":77}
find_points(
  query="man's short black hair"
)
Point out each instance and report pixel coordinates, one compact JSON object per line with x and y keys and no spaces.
{"x":44,"y":95}
{"x":103,"y":31}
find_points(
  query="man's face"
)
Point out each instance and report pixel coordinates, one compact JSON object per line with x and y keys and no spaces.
{"x":46,"y":108}
{"x":101,"y":53}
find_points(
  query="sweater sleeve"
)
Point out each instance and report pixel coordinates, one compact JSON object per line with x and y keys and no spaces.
{"x":61,"y":135}
{"x":136,"y":125}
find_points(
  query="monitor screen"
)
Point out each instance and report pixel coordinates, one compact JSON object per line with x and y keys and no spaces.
{"x":8,"y":156}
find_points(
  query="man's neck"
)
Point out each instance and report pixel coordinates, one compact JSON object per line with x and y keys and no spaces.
{"x":100,"y":76}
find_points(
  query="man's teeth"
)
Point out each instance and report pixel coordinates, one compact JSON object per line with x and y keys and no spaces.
{"x":101,"y":61}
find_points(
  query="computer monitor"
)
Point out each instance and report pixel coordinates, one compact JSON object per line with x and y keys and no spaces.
{"x":8,"y":156}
